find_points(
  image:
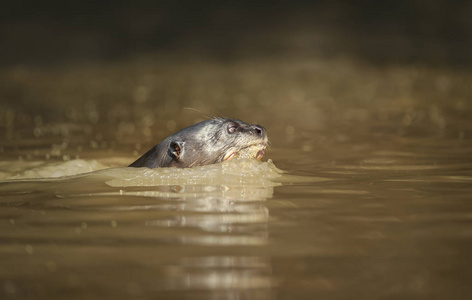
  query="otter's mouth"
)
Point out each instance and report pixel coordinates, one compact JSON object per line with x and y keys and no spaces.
{"x":253,"y":151}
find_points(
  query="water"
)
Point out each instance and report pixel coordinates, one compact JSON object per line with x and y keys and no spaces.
{"x":363,"y":194}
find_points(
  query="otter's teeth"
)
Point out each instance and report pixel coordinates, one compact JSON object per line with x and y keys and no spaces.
{"x":260,"y":154}
{"x":229,"y":156}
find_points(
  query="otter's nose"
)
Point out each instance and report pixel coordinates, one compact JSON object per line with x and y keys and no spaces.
{"x":258,"y":130}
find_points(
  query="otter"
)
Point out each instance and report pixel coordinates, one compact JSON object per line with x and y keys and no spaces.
{"x":205,"y":143}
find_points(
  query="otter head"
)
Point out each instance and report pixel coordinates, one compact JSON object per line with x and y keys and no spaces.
{"x":208,"y":142}
{"x":216,"y":140}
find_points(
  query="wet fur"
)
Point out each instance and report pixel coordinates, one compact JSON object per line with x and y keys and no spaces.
{"x":201,"y":144}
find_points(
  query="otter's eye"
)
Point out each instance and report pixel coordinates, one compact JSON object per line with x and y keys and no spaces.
{"x":232,"y":127}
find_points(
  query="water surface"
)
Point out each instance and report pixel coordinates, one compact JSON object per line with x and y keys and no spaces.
{"x":363,"y":194}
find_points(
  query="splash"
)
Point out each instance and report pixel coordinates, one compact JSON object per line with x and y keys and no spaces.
{"x":234,"y":172}
{"x":208,"y":188}
{"x":57,"y":170}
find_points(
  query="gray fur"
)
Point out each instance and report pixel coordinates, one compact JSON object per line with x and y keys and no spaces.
{"x":203,"y":143}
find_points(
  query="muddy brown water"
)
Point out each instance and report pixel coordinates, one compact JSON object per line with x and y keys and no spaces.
{"x":365,"y":192}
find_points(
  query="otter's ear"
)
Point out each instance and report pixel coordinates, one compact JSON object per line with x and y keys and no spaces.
{"x":175,"y":149}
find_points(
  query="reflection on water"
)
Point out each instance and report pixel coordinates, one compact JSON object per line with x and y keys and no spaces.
{"x":221,"y":273}
{"x":218,"y":205}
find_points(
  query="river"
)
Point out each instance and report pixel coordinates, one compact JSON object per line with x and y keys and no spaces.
{"x":364,"y":192}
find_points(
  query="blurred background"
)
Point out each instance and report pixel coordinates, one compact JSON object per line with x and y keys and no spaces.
{"x":120,"y":75}
{"x":389,"y":31}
